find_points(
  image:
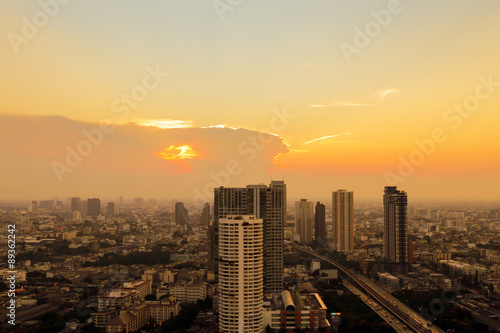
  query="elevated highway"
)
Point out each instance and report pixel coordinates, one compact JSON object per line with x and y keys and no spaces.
{"x":414,"y":321}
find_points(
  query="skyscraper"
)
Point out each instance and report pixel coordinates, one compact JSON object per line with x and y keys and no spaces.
{"x":110,"y":209}
{"x":205,"y":215}
{"x":343,"y":221}
{"x":82,"y":208}
{"x":304,"y":216}
{"x":210,"y":250}
{"x":396,"y":229}
{"x":75,"y":204}
{"x":240,"y":274}
{"x":93,"y":207}
{"x":181,"y":214}
{"x":319,"y":223}
{"x":264,"y":202}
{"x":138,"y":202}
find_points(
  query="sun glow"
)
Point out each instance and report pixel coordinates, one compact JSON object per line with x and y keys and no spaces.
{"x":166,"y":123}
{"x":176,"y":153}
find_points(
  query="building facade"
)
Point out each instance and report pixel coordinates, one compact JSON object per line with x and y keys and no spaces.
{"x":304,"y":217}
{"x":181,"y":214}
{"x":294,"y":312}
{"x":319,"y":222}
{"x":264,"y":202}
{"x":205,"y":215}
{"x":343,"y":221}
{"x":241,"y":274}
{"x":396,"y":229}
{"x":110,"y":211}
{"x":93,"y":207}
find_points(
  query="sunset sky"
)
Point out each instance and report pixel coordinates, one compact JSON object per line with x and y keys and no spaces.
{"x":257,"y":91}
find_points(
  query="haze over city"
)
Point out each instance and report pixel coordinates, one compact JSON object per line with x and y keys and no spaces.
{"x":250,"y":166}
{"x":169,"y":75}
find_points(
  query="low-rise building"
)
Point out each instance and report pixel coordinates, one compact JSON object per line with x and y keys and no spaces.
{"x":115,"y":298}
{"x":189,"y":292}
{"x":297,"y":312}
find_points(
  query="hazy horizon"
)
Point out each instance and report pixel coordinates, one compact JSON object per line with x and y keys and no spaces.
{"x":194,"y":98}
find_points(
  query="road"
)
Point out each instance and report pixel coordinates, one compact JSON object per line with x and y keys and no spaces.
{"x":371,"y":303}
{"x":407,"y":316}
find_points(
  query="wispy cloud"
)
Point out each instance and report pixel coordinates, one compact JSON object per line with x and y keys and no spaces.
{"x":326,"y":137}
{"x":384,"y":93}
{"x":165,"y":123}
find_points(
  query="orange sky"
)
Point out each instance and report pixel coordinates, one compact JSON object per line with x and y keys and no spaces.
{"x":341,"y":121}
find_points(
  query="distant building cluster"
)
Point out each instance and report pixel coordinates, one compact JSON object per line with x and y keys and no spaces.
{"x":126,"y":310}
{"x":240,"y":256}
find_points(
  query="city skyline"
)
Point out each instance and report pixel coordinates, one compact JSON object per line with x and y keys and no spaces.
{"x":308,"y":96}
{"x":250,"y":166}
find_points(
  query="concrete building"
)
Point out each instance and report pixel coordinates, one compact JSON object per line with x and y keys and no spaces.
{"x":141,"y":287}
{"x":133,"y":316}
{"x":264,"y":202}
{"x":396,"y":230}
{"x":295,"y":311}
{"x":138,"y":202}
{"x":320,"y":222}
{"x":93,"y":207}
{"x":205,"y":215}
{"x":304,"y":217}
{"x":75,"y":204}
{"x":189,"y":292}
{"x":463,"y":271}
{"x":181,"y":214}
{"x":110,"y":210}
{"x":389,"y":280}
{"x":240,"y":274}
{"x":115,"y":298}
{"x":343,"y":221}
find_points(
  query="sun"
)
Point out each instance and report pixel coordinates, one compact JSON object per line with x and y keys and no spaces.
{"x":176,"y":153}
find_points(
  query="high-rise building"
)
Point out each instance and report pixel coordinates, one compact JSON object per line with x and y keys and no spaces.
{"x":304,"y":217}
{"x":34,"y":206}
{"x":343,"y":221}
{"x":240,"y":274}
{"x":205,"y":215}
{"x":319,"y":222}
{"x":59,"y":205}
{"x":120,"y":201}
{"x":210,"y":250}
{"x":93,"y":207}
{"x":410,"y":252}
{"x":82,"y":207}
{"x":110,"y":211}
{"x":396,"y":229}
{"x":138,"y":202}
{"x":75,"y":204}
{"x":47,"y":204}
{"x":264,"y":202}
{"x":181,"y":214}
